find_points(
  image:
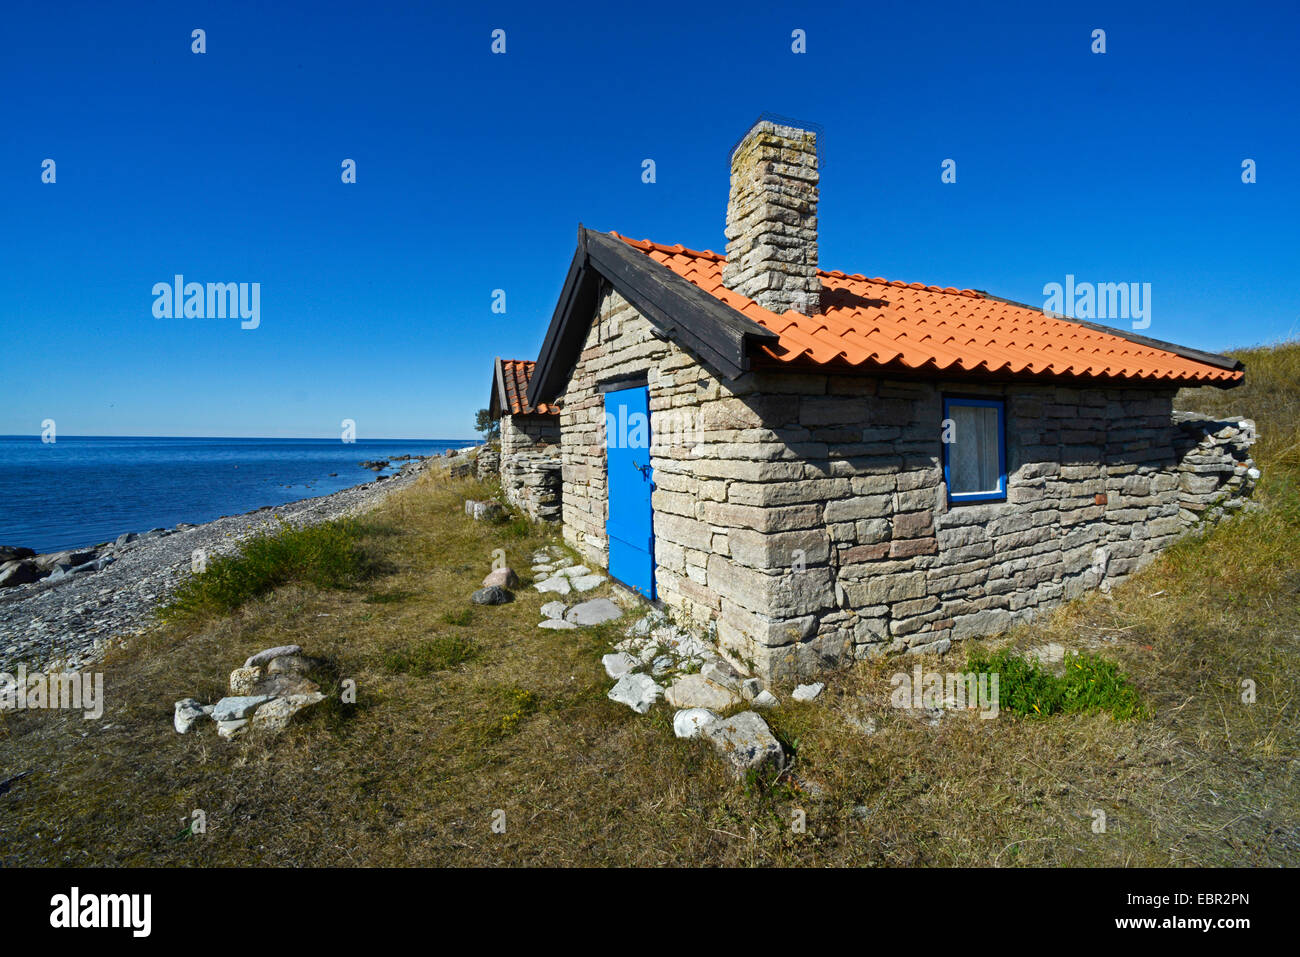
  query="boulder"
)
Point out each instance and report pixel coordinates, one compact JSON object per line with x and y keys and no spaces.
{"x":276,"y":713}
{"x":239,"y":706}
{"x":126,"y":538}
{"x":242,"y":680}
{"x":745,"y":742}
{"x":618,"y":664}
{"x":721,"y":673}
{"x":593,"y":612}
{"x":69,"y":558}
{"x":233,"y":728}
{"x":60,"y":573}
{"x":285,"y":683}
{"x":484,"y":511}
{"x":690,"y":722}
{"x":492,"y":595}
{"x":554,"y":609}
{"x":637,"y":691}
{"x":290,"y":665}
{"x":19,"y":573}
{"x":502,"y":577}
{"x":697,"y":691}
{"x":13,"y":553}
{"x":279,"y":651}
{"x":188,"y":711}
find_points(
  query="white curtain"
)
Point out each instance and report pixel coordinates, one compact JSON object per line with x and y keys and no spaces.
{"x":973,"y":460}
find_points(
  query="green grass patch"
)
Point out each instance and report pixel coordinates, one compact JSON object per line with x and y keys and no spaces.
{"x":327,"y":555}
{"x":1090,"y":684}
{"x":460,"y":618}
{"x":437,"y":654}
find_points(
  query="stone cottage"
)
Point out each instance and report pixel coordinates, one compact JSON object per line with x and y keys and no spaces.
{"x":530,"y":442}
{"x":825,"y":466}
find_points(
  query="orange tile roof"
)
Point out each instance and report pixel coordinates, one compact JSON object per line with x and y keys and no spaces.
{"x":515,"y":375}
{"x":875,"y":322}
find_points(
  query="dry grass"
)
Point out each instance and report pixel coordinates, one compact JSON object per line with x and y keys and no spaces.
{"x":462,"y":714}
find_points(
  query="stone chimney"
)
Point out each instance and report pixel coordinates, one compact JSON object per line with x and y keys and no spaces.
{"x":772,"y":219}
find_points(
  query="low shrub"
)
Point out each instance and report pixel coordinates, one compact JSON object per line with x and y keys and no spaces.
{"x":327,"y":555}
{"x":1090,"y":684}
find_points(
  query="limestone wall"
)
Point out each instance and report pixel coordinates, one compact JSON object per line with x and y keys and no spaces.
{"x":805,"y":516}
{"x":530,"y":464}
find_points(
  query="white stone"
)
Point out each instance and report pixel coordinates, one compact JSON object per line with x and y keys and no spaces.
{"x":745,"y":742}
{"x":575,"y":571}
{"x":588,"y":582}
{"x":593,"y":612}
{"x":240,"y":706}
{"x":807,"y":692}
{"x":765,"y":700}
{"x":557,"y":624}
{"x":188,"y":711}
{"x":553,"y":609}
{"x":750,"y":688}
{"x":558,"y":584}
{"x":262,"y":657}
{"x":697,"y":691}
{"x":637,"y":691}
{"x":230,"y":729}
{"x":275,"y":715}
{"x":721,"y":674}
{"x":617,"y":664}
{"x":1048,"y":654}
{"x":689,"y":722}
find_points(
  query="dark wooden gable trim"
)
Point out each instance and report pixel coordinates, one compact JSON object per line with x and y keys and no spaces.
{"x":498,"y":404}
{"x":676,"y":308}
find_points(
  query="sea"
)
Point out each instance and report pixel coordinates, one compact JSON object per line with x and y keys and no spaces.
{"x":83,"y":490}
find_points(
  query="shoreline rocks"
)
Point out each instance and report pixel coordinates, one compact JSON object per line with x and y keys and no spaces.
{"x":68,"y":623}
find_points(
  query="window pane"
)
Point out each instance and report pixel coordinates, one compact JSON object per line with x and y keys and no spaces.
{"x":973,"y":461}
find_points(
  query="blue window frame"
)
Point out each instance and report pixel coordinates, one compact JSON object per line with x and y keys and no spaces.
{"x":975,"y":449}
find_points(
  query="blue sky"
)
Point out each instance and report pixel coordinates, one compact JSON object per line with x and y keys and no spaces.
{"x":474,"y":169}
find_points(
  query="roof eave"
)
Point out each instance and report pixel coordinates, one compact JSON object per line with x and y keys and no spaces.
{"x":675,"y":307}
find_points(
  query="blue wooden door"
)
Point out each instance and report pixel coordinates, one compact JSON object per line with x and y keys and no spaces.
{"x":629,"y":525}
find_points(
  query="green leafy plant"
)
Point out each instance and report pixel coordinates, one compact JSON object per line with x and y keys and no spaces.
{"x":1090,"y":683}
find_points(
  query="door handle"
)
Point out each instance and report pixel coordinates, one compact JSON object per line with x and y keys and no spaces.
{"x":640,"y":468}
